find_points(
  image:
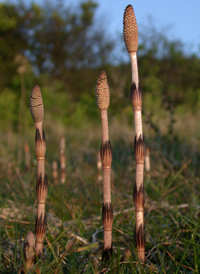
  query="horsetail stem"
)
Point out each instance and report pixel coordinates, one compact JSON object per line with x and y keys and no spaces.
{"x":41,"y":189}
{"x":27,"y":155}
{"x":40,"y":230}
{"x":107,"y":209}
{"x":99,"y":166}
{"x":55,"y":171}
{"x":62,"y":159}
{"x":136,"y":99}
{"x":40,"y":149}
{"x":139,"y":198}
{"x":103,"y":100}
{"x":130,"y":31}
{"x":147,"y":162}
{"x":106,"y":160}
{"x":37,"y":112}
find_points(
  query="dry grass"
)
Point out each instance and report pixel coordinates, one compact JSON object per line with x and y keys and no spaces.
{"x":74,"y":238}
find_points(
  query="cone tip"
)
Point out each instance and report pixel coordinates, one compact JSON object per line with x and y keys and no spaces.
{"x":130,"y":30}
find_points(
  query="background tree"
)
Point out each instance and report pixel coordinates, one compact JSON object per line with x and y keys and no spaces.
{"x":65,"y":51}
{"x":12,"y":42}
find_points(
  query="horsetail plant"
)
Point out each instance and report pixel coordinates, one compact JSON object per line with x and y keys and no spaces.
{"x":62,"y":159}
{"x":37,"y":112}
{"x":99,"y":166}
{"x":55,"y":171}
{"x":27,"y":155}
{"x":103,"y":100}
{"x":147,"y":162}
{"x":130,"y":31}
{"x":28,"y":252}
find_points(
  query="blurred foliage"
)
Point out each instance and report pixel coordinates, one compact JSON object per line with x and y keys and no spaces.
{"x":8,"y":108}
{"x":63,"y":50}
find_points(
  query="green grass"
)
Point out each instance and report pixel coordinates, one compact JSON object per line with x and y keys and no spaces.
{"x":74,"y":238}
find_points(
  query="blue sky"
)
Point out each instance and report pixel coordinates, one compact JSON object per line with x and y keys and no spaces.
{"x":181,"y":16}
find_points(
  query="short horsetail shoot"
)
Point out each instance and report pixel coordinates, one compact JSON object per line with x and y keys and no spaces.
{"x":37,"y":111}
{"x":103,"y":100}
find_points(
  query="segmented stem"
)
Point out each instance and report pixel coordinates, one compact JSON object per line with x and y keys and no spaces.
{"x":136,"y":99}
{"x":107,"y":210}
{"x":104,"y":122}
{"x":40,"y":230}
{"x":130,"y":31}
{"x":37,"y":112}
{"x":134,"y":69}
{"x":139,"y":198}
{"x":103,"y":100}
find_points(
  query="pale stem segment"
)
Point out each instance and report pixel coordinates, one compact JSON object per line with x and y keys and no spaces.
{"x":141,"y":254}
{"x":107,"y":239}
{"x":62,"y":159}
{"x":134,"y":68}
{"x":41,"y":168}
{"x":139,"y":175}
{"x":139,"y":217}
{"x":106,"y":185}
{"x":55,"y":171}
{"x":136,"y":99}
{"x":41,"y":208}
{"x":104,"y":119}
{"x":40,"y":148}
{"x":27,"y":155}
{"x":99,"y":166}
{"x":138,"y":122}
{"x":147,"y":162}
